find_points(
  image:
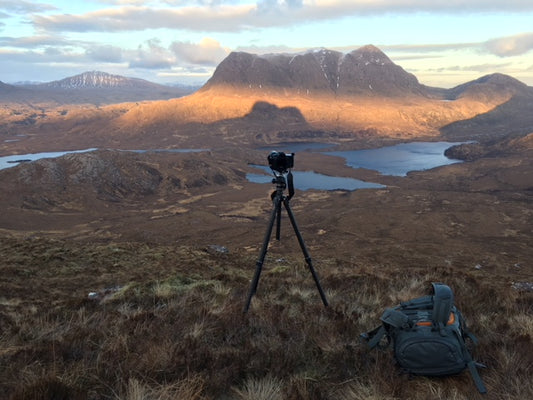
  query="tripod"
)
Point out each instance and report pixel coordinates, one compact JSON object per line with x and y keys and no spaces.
{"x":278,"y":198}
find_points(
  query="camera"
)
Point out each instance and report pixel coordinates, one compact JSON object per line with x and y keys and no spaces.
{"x":280,"y":161}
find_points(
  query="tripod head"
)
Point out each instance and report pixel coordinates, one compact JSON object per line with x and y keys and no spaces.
{"x":282,"y":180}
{"x":281,"y":163}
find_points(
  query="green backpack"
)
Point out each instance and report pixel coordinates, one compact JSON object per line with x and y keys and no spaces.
{"x":428,"y":336}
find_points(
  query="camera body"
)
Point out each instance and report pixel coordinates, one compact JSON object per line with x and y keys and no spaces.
{"x":280,"y":161}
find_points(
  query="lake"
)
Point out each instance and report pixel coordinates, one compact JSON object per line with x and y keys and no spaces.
{"x":395,"y":160}
{"x":399,"y":159}
{"x":11,"y":161}
{"x":391,"y":160}
{"x":306,"y":180}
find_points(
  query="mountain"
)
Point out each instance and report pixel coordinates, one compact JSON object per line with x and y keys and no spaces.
{"x":488,"y":86}
{"x":94,"y":87}
{"x":365,"y":71}
{"x":254,"y":100}
{"x":7,"y":90}
{"x":100,"y":80}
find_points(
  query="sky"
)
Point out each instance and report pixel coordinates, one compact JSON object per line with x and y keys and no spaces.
{"x":443,"y":42}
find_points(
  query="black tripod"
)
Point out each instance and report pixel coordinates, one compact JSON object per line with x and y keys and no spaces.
{"x":278,"y":198}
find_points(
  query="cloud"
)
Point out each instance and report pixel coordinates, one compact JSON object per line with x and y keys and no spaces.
{"x":106,"y":54}
{"x":510,"y":45}
{"x":480,"y":68}
{"x":276,"y":6}
{"x":224,"y":16}
{"x":127,"y":2}
{"x":30,"y":42}
{"x":24,"y":7}
{"x":207,"y":52}
{"x":425,"y":48}
{"x":193,"y":2}
{"x":152,"y":56}
{"x":51,"y":56}
{"x":187,"y":71}
{"x":273,"y":49}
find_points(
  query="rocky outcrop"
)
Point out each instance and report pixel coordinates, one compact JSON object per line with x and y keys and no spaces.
{"x":98,"y":79}
{"x":111,"y":175}
{"x":365,"y":71}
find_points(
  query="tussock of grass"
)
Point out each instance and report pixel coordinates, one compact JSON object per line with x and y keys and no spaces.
{"x":176,"y":328}
{"x":190,"y":388}
{"x":267,"y":388}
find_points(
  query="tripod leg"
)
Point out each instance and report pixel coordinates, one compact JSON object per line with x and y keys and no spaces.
{"x":304,"y":251}
{"x":259,"y":264}
{"x":278,"y":222}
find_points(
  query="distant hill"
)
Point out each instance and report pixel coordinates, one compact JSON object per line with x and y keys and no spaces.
{"x":94,"y":87}
{"x":487,"y":86}
{"x":100,"y":80}
{"x":9,"y":91}
{"x":5,"y":88}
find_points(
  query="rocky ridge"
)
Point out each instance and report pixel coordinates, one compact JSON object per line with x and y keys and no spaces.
{"x":92,"y":87}
{"x":98,"y":79}
{"x":110,"y":176}
{"x":365,"y":71}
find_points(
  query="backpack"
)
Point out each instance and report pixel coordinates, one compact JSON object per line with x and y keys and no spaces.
{"x":428,"y":336}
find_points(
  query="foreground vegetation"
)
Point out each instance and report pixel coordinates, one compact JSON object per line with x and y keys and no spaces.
{"x":136,"y":321}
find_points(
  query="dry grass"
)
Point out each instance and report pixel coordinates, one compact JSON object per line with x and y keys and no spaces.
{"x":172,"y":326}
{"x":267,"y":388}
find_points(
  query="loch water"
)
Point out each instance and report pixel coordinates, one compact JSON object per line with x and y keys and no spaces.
{"x":395,"y":160}
{"x":401,"y":158}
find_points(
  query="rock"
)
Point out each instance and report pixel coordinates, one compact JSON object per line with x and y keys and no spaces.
{"x":216,"y":249}
{"x":523,"y":286}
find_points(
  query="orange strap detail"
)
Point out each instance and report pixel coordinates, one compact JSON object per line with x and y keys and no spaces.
{"x":451,"y":320}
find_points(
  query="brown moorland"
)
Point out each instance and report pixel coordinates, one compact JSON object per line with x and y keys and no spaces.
{"x":117,"y":283}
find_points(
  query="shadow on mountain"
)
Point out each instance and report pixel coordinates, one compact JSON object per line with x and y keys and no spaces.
{"x":265,"y":123}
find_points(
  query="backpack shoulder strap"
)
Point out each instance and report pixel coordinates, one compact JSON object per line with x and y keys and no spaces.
{"x":472,"y":365}
{"x":390,"y":318}
{"x":420,"y":303}
{"x":442,"y":303}
{"x":374,"y":337}
{"x":395,"y":318}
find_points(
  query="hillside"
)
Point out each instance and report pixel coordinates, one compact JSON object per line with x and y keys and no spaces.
{"x":6,"y":89}
{"x":343,"y":98}
{"x":125,"y":276}
{"x":98,"y":79}
{"x":93,"y":87}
